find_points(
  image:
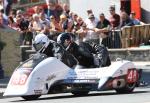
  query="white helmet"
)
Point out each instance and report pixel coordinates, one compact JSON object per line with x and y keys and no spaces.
{"x":40,"y":41}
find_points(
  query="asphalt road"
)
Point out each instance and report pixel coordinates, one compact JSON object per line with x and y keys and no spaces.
{"x":140,"y":95}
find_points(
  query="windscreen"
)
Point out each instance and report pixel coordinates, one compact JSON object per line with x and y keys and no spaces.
{"x":33,"y":61}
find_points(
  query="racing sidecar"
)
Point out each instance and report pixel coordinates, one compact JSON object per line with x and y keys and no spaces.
{"x":41,"y":75}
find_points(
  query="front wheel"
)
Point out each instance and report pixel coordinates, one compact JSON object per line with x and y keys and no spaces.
{"x":31,"y":97}
{"x":127,"y":89}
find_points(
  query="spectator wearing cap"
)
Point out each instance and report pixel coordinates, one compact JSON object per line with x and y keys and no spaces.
{"x":133,"y":18}
{"x":102,"y":29}
{"x":114,"y":18}
{"x":89,"y":13}
{"x":91,"y":23}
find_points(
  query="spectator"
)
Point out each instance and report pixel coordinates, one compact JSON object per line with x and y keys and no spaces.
{"x":91,"y":21}
{"x":51,"y":9}
{"x":135,"y":21}
{"x":78,"y":24}
{"x":75,"y":22}
{"x":13,"y":14}
{"x":37,"y":26}
{"x":65,"y":23}
{"x":66,"y":10}
{"x":59,"y":11}
{"x":102,"y":28}
{"x":89,"y":12}
{"x":125,"y":20}
{"x":114,"y":18}
{"x":82,"y":32}
{"x":43,"y":19}
{"x":38,"y":10}
{"x":115,"y":24}
{"x":91,"y":24}
{"x":19,"y":12}
{"x":7,"y":6}
{"x":5,"y":18}
{"x":11,"y":23}
{"x":22,"y":26}
{"x":55,"y":28}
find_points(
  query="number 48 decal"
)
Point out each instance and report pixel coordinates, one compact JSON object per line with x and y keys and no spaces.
{"x":132,"y":76}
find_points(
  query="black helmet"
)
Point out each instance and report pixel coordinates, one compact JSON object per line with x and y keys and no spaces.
{"x":62,"y":37}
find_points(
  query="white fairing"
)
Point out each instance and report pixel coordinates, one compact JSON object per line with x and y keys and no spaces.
{"x":51,"y":70}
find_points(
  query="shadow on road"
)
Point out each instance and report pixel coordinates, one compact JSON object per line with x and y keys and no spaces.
{"x":89,"y":95}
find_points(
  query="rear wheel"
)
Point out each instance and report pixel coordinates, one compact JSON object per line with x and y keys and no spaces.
{"x":127,"y":89}
{"x":80,"y":93}
{"x":31,"y":97}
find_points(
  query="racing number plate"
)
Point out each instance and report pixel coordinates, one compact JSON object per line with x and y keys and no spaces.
{"x":19,"y":79}
{"x":132,"y":76}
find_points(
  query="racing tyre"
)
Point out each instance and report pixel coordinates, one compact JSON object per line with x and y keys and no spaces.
{"x":31,"y":97}
{"x":127,"y":89}
{"x":80,"y":93}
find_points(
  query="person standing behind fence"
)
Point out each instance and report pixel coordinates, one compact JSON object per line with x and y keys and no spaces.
{"x":125,"y":20}
{"x":114,"y":18}
{"x":114,"y":23}
{"x":102,"y":29}
{"x":91,"y":23}
{"x":135,"y":21}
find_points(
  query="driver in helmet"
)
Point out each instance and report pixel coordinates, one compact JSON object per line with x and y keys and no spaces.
{"x":43,"y":44}
{"x":83,"y":55}
{"x":88,"y":55}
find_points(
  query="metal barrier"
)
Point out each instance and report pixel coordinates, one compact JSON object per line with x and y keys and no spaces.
{"x":129,"y":36}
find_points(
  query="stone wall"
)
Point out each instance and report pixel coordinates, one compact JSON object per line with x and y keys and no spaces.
{"x":10,"y":56}
{"x":132,"y":54}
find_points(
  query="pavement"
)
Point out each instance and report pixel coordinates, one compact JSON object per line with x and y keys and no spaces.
{"x":5,"y":80}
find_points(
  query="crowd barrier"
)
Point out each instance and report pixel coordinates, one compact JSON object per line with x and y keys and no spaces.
{"x":134,"y":36}
{"x":129,"y":36}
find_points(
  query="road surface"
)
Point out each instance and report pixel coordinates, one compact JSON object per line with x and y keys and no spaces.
{"x":140,"y":95}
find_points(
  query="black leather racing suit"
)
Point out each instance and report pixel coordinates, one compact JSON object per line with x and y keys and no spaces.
{"x":84,"y":53}
{"x":56,"y":50}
